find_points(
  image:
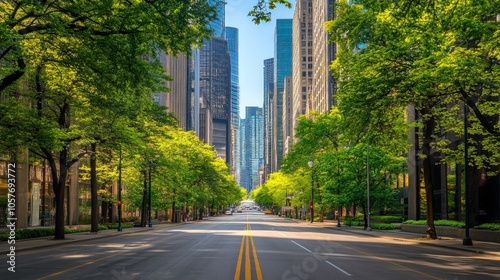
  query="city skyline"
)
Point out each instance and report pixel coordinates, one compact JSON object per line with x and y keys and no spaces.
{"x":256,"y":44}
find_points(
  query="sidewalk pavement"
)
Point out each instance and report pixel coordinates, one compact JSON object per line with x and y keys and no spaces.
{"x":478,"y":247}
{"x":43,"y":242}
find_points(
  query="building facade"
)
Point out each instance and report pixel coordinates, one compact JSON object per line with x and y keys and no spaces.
{"x":323,"y":83}
{"x":288,"y":118}
{"x":175,"y":100}
{"x":232,"y":44}
{"x":252,"y":143}
{"x":302,"y":57}
{"x":215,"y":88}
{"x":267,"y":113}
{"x":282,"y":68}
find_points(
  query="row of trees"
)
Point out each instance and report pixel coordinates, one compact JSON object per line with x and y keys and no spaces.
{"x":341,"y":167}
{"x":77,"y":81}
{"x":440,"y":59}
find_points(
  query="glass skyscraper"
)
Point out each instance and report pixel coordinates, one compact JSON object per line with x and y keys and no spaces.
{"x":267,"y":115}
{"x":282,"y":68}
{"x":252,"y":148}
{"x":232,"y":45}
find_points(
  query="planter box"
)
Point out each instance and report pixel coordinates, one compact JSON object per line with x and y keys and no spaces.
{"x":475,"y":234}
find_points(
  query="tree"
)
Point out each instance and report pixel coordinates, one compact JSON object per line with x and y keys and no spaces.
{"x":392,"y":54}
{"x":71,"y":54}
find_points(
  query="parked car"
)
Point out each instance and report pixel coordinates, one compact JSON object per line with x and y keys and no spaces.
{"x":238,"y":210}
{"x":229,"y":212}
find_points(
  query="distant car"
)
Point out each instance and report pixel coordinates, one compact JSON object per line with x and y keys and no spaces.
{"x":229,"y":212}
{"x":268,"y":212}
{"x":239,"y":210}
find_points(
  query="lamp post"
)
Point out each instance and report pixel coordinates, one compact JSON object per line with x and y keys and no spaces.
{"x":149,"y":191}
{"x":368,"y":187}
{"x":120,"y":191}
{"x":311,"y":203}
{"x":467,"y":240}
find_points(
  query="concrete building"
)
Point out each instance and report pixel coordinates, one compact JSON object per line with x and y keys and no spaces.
{"x":302,"y":57}
{"x":176,"y":99}
{"x":267,"y":113}
{"x":288,"y":118}
{"x":324,"y":51}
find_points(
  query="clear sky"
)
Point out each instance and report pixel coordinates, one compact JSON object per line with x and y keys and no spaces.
{"x":256,"y":43}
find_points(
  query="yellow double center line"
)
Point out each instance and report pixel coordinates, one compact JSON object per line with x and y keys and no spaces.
{"x":246,"y":241}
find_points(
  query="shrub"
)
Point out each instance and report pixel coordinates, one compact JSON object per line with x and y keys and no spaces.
{"x":387,"y":219}
{"x":383,"y":226}
{"x":130,"y":219}
{"x":489,"y":226}
{"x":124,"y":225}
{"x":445,"y":223}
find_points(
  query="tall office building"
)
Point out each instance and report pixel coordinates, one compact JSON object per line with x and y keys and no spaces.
{"x":323,"y":87}
{"x":232,"y":44}
{"x":219,"y":25}
{"x":252,"y":146}
{"x":287,"y":115}
{"x":282,"y":68}
{"x":215,"y":87}
{"x":267,"y":114}
{"x":209,"y":90}
{"x":302,"y":57}
{"x":175,"y":99}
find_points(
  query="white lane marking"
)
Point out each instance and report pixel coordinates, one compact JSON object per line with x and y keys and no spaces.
{"x":340,"y":269}
{"x":302,"y":246}
{"x":282,"y":234}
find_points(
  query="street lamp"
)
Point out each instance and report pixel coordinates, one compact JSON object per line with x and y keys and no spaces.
{"x":311,"y":203}
{"x":149,"y":187}
{"x":368,"y":187}
{"x":150,"y":206}
{"x":467,"y":240}
{"x":120,"y":191}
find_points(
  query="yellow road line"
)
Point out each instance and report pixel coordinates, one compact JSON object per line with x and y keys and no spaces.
{"x":248,"y":244}
{"x":238,"y":264}
{"x":255,"y":259}
{"x":248,"y":268}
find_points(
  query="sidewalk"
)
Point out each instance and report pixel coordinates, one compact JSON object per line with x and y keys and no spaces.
{"x":478,"y":247}
{"x":43,"y":242}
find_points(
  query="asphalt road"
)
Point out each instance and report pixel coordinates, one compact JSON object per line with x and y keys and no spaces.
{"x":249,"y":245}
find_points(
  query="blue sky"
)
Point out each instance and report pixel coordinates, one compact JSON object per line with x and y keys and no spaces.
{"x":256,"y":43}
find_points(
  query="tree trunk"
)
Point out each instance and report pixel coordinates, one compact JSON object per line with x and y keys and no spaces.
{"x":429,"y":125}
{"x":59,"y":187}
{"x":94,"y":220}
{"x":173,"y":212}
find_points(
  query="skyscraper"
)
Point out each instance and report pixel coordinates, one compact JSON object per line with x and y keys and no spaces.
{"x":323,"y":87}
{"x":282,"y":68}
{"x":232,"y":44}
{"x":267,"y":116}
{"x":209,"y":89}
{"x":175,"y":100}
{"x":252,"y":146}
{"x":215,"y":87}
{"x":302,"y":57}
